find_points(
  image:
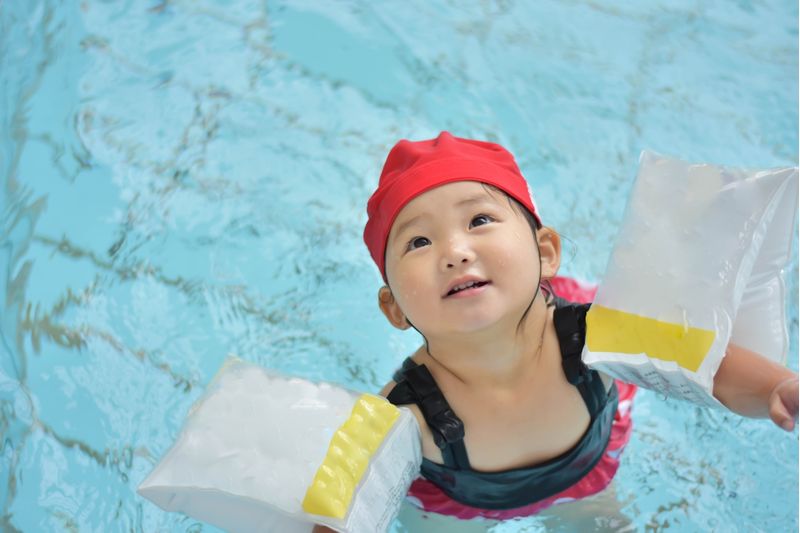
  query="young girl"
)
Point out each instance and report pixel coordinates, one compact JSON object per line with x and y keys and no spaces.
{"x":512,"y":421}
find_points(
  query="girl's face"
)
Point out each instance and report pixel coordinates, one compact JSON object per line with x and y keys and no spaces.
{"x":460,"y":259}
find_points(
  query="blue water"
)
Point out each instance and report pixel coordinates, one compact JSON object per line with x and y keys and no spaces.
{"x":186,"y":179}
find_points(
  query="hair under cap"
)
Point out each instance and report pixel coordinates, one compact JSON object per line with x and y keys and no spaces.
{"x":413,"y":167}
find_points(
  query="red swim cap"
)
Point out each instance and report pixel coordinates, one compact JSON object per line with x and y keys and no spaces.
{"x":413,"y":167}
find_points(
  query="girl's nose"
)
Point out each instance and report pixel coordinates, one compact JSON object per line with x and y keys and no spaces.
{"x":456,"y":254}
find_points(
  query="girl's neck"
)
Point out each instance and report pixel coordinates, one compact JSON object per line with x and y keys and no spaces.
{"x":498,"y":357}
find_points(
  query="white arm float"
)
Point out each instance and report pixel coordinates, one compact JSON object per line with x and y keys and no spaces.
{"x":263,"y":452}
{"x":697,"y":264}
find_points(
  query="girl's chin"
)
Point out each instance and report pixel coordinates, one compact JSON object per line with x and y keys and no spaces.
{"x":476,"y":327}
{"x":485,"y":319}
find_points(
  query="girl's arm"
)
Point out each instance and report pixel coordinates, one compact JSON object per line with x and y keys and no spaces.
{"x":752,"y":385}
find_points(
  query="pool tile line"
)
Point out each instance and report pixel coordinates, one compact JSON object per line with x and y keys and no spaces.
{"x":76,"y":339}
{"x":120,"y":459}
{"x":43,"y":326}
{"x":138,"y":271}
{"x":191,"y":288}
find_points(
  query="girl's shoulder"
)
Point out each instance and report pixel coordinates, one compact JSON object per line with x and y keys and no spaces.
{"x":429,"y":449}
{"x":389,"y":387}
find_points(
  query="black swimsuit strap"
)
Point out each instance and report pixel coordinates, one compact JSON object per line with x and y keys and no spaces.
{"x":570,"y":322}
{"x":418,"y":386}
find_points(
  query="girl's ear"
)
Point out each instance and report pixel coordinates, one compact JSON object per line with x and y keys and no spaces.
{"x":549,"y":251}
{"x":390,"y":309}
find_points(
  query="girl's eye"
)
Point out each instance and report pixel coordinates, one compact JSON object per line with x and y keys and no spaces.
{"x":480,"y":220}
{"x":418,"y":242}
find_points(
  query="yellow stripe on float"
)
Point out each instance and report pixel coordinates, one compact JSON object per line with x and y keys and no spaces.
{"x":610,"y":330}
{"x":348,"y":455}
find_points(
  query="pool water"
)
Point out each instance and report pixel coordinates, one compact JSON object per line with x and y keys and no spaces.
{"x":187,"y":179}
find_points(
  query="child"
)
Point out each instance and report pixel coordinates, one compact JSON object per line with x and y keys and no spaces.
{"x":511,"y":419}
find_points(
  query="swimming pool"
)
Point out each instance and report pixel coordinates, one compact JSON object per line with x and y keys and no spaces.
{"x":183,"y":180}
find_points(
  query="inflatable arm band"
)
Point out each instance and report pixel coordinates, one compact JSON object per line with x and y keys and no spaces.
{"x":697,"y":264}
{"x":263,"y":452}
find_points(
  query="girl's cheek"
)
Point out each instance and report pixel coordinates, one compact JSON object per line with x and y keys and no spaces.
{"x":410,"y":295}
{"x":503,"y":257}
{"x":410,"y":284}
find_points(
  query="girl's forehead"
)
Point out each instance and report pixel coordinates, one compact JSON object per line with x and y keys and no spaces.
{"x":447,"y":196}
{"x":454,"y":193}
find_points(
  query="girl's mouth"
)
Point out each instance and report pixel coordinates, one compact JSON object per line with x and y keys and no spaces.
{"x":470,"y":287}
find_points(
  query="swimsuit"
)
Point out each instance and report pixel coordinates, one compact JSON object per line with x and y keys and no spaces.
{"x":454,"y":488}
